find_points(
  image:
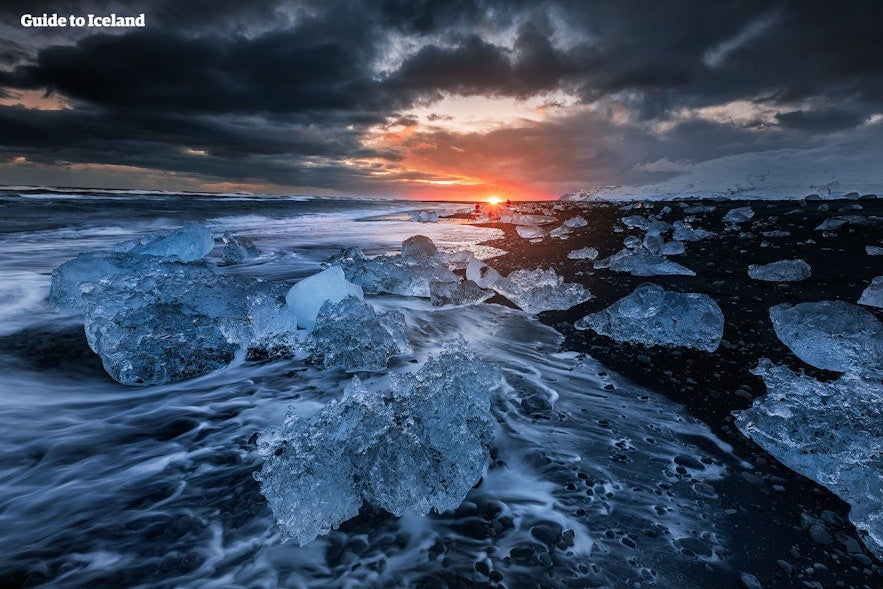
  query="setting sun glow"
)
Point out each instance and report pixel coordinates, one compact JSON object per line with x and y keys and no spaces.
{"x":494,"y":200}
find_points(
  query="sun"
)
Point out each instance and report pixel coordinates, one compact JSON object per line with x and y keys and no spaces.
{"x":494,"y":200}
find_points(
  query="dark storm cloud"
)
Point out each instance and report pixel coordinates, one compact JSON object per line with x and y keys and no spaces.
{"x":263,"y":87}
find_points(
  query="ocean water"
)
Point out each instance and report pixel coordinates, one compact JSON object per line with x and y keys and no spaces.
{"x":107,"y":485}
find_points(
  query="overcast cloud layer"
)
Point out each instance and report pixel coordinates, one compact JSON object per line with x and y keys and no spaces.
{"x":373,"y":98}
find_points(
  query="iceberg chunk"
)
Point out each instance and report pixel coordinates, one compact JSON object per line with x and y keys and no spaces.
{"x":79,"y":275}
{"x":530,"y":231}
{"x":640,"y":262}
{"x":560,"y":232}
{"x":482,"y":274}
{"x":873,"y":295}
{"x":350,"y":335}
{"x":406,"y":274}
{"x":829,"y":432}
{"x":635,"y":221}
{"x":833,"y":335}
{"x":273,"y":321}
{"x":417,"y":447}
{"x":738,"y":215}
{"x":307,"y":296}
{"x":654,"y":316}
{"x":187,"y":243}
{"x":574,"y":222}
{"x":540,"y":290}
{"x":673,"y":248}
{"x":658,"y":228}
{"x":586,"y":253}
{"x":237,"y":250}
{"x":781,"y":271}
{"x":874,"y":250}
{"x":684,"y":232}
{"x":424,"y":216}
{"x":462,"y":292}
{"x":174,"y":322}
{"x":653,"y":243}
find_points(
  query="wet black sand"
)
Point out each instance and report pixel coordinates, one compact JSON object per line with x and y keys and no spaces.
{"x":786,"y":530}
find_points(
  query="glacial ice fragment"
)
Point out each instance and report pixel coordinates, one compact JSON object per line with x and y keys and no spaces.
{"x":237,"y":250}
{"x":187,"y":243}
{"x":462,"y":292}
{"x":560,"y":232}
{"x":781,"y":271}
{"x":673,"y":248}
{"x":417,"y":447}
{"x":738,"y":215}
{"x":482,"y":274}
{"x":872,"y":296}
{"x":307,"y":296}
{"x":833,"y":335}
{"x":406,"y":274}
{"x":830,"y":432}
{"x":654,"y":316}
{"x":874,"y":250}
{"x":586,"y":253}
{"x":658,"y":228}
{"x":171,"y":323}
{"x":540,"y":290}
{"x":684,"y":232}
{"x":530,"y":231}
{"x":424,"y":216}
{"x":574,"y":222}
{"x":635,"y":221}
{"x":640,"y":262}
{"x":350,"y":335}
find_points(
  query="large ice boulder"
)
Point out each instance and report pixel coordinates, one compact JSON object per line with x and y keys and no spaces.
{"x":173,"y":322}
{"x":430,"y":216}
{"x":350,"y":335}
{"x":307,"y":296}
{"x":830,"y":432}
{"x":641,"y":262}
{"x":654,"y":316}
{"x":187,"y":243}
{"x":873,"y":295}
{"x":273,"y":321}
{"x":574,"y":222}
{"x":635,"y":222}
{"x":781,"y":271}
{"x":407,"y":274}
{"x":833,"y":335}
{"x":530,"y":231}
{"x":540,"y":290}
{"x":418,"y":446}
{"x":738,"y":215}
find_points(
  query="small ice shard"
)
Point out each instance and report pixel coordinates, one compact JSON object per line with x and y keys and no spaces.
{"x":574,"y":222}
{"x":653,"y":243}
{"x":654,"y":316}
{"x":640,"y":262}
{"x":684,"y":232}
{"x":307,"y":296}
{"x":738,"y":215}
{"x":873,"y":295}
{"x":462,"y":292}
{"x":699,"y":209}
{"x":237,"y":250}
{"x":519,"y":219}
{"x":832,"y":224}
{"x":540,"y":290}
{"x":187,"y":243}
{"x":781,"y":271}
{"x":658,"y":228}
{"x":560,"y":232}
{"x":482,"y":274}
{"x":424,"y":216}
{"x":833,"y":335}
{"x":632,"y":241}
{"x":586,"y":253}
{"x":635,"y":221}
{"x":874,"y":250}
{"x":530,"y":231}
{"x":776,"y":233}
{"x":171,"y":323}
{"x":830,"y":432}
{"x":673,"y":248}
{"x":350,"y":335}
{"x":406,"y":274}
{"x":417,"y":447}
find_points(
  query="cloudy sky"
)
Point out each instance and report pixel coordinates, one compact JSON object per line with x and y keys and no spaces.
{"x":455,"y":99}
